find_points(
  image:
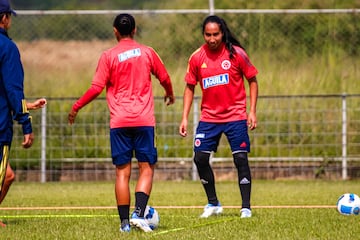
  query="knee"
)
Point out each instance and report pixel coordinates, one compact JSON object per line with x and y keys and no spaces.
{"x":241,"y":160}
{"x":242,"y":165}
{"x":146,"y":169}
{"x":201,"y":159}
{"x":123,"y":172}
{"x":10,"y":175}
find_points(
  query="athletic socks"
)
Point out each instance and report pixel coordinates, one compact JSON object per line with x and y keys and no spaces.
{"x":141,"y":200}
{"x":208,"y":181}
{"x":124,"y":211}
{"x":245,"y":190}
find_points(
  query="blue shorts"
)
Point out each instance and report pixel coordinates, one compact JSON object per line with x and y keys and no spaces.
{"x":208,"y":136}
{"x":125,"y":141}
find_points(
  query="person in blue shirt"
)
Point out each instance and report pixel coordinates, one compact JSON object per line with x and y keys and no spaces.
{"x":12,"y":101}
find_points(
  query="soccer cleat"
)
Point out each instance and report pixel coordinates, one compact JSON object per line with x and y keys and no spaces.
{"x":125,"y":228}
{"x":140,"y":223}
{"x":245,"y":213}
{"x":211,"y":209}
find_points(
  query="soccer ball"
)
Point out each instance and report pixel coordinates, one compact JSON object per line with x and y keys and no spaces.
{"x":348,"y":204}
{"x":152,"y":217}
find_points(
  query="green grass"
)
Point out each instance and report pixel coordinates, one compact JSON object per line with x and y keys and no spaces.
{"x":180,"y":223}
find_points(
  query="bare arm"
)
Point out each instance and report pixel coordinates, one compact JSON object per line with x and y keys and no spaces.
{"x":88,"y":96}
{"x":187,"y":101}
{"x":39,"y":103}
{"x":253,"y":88}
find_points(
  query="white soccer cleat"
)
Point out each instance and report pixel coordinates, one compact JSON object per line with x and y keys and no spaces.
{"x":245,"y":213}
{"x":140,"y":223}
{"x":125,"y":228}
{"x":211,"y":209}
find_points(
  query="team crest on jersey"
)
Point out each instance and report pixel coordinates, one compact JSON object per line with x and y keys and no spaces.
{"x":215,"y":80}
{"x":226,"y":64}
{"x":197,"y":142}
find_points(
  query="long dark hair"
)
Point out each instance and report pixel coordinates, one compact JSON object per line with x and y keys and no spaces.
{"x":228,"y":37}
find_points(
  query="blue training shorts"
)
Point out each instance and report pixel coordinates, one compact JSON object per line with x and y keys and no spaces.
{"x":125,"y":141}
{"x":208,"y":136}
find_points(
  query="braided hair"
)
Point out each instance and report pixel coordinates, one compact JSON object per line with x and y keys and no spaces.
{"x":124,"y":23}
{"x":228,"y":38}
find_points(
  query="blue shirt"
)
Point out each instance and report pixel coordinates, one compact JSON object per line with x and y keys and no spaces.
{"x":12,"y":100}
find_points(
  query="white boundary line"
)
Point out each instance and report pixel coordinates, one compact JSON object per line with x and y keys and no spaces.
{"x":163,"y":207}
{"x":159,"y":207}
{"x":187,"y":11}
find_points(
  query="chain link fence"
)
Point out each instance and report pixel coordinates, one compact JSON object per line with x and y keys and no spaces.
{"x":297,"y":135}
{"x":308,"y":136}
{"x":177,"y":32}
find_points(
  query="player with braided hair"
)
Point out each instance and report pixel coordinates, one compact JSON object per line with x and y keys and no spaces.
{"x":125,"y":70}
{"x":219,"y":66}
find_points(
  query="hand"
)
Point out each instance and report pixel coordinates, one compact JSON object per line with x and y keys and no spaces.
{"x":39,"y":103}
{"x":251,"y":121}
{"x":72,"y":116}
{"x":28,"y":140}
{"x":169,"y":99}
{"x":182,"y":128}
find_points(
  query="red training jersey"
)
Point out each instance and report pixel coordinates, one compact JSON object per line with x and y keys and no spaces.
{"x":125,"y":70}
{"x":221,"y":81}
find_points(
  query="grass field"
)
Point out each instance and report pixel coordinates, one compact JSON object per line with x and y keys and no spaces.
{"x":86,"y":210}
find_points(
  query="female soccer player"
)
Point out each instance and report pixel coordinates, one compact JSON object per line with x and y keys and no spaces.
{"x":219,"y":66}
{"x":125,"y":70}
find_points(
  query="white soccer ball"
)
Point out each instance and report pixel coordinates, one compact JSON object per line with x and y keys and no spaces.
{"x":152,"y":217}
{"x":348,"y":204}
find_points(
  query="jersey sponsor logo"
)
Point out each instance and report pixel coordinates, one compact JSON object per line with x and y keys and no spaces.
{"x":129,"y":54}
{"x":226,"y":64}
{"x":215,"y":80}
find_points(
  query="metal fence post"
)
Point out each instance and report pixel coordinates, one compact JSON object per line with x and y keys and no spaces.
{"x":211,"y":7}
{"x":195,"y":122}
{"x":43,"y":145}
{"x":344,"y":138}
